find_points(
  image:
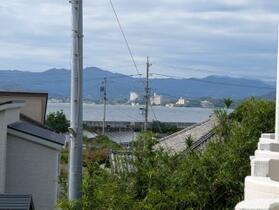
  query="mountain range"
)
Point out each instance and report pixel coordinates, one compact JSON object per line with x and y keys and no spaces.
{"x":57,"y":83}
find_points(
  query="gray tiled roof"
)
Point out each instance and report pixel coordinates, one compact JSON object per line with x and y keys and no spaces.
{"x":38,"y":131}
{"x":16,"y":202}
{"x":176,"y":142}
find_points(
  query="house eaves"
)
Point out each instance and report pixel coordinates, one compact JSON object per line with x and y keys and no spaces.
{"x":37,"y":134}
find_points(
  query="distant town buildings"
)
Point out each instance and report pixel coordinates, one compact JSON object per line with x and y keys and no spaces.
{"x":182,"y":102}
{"x":156,"y":99}
{"x":206,"y":104}
{"x":135,"y":99}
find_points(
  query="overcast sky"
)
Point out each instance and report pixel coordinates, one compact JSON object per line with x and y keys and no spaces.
{"x":191,"y":38}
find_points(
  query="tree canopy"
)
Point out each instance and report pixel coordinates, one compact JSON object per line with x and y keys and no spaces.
{"x":58,"y":121}
{"x":208,"y":179}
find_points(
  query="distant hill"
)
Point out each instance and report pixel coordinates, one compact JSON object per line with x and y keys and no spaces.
{"x":269,"y":96}
{"x":57,"y":83}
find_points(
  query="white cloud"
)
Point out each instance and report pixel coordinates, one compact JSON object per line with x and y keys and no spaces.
{"x":225,"y":36}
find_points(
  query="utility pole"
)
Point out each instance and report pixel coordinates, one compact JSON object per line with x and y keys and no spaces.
{"x":146,"y":95}
{"x":75,"y":165}
{"x":104,"y":91}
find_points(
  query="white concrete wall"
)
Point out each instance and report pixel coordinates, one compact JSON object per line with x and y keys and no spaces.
{"x":8,"y":114}
{"x":261,"y":189}
{"x":32,"y":169}
{"x":3,"y":143}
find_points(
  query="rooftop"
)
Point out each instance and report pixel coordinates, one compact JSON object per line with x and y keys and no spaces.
{"x":37,"y":131}
{"x":13,"y":202}
{"x":22,"y":93}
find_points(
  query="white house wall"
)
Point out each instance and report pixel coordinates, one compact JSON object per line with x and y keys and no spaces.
{"x":9,"y":113}
{"x":32,"y":169}
{"x":3,"y":143}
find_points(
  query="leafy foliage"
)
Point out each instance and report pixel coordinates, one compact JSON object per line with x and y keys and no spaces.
{"x":159,"y":127}
{"x":98,"y":149}
{"x":58,"y":122}
{"x":189,"y":141}
{"x":210,"y":179}
{"x":104,"y":142}
{"x":228,"y":102}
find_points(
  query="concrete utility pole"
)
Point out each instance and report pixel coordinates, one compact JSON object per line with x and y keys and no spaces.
{"x":277,"y":96}
{"x":75,"y":167}
{"x":146,"y":95}
{"x":104,"y":90}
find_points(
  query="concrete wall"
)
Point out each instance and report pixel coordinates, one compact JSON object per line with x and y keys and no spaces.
{"x":3,"y":145}
{"x":122,"y":125}
{"x":8,"y":114}
{"x":32,"y":169}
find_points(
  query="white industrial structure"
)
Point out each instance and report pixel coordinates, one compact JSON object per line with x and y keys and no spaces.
{"x":182,"y":101}
{"x":156,"y":99}
{"x":261,"y":189}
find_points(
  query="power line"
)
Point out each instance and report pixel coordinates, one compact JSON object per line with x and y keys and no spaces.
{"x":120,"y":66}
{"x":116,"y":77}
{"x":164,"y":94}
{"x":231,"y":84}
{"x":215,"y":83}
{"x":203,"y":70}
{"x":168,"y":76}
{"x":158,"y":122}
{"x":133,"y":87}
{"x":124,"y":36}
{"x":130,"y":116}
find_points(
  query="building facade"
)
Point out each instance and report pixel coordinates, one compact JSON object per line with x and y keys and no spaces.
{"x":156,"y":99}
{"x":29,"y":156}
{"x":182,"y":102}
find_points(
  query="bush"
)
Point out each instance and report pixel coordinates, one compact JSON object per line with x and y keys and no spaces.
{"x":210,"y":179}
{"x":58,"y":122}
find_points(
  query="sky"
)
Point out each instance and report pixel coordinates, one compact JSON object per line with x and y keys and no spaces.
{"x":189,"y":38}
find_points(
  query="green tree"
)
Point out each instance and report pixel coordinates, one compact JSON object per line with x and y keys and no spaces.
{"x":189,"y":141}
{"x":58,"y":121}
{"x":208,"y":179}
{"x":222,"y":128}
{"x":228,"y":102}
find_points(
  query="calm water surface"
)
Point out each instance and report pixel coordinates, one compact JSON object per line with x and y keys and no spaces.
{"x":93,"y":112}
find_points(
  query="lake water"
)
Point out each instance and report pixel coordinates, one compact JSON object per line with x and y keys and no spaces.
{"x":94,"y":112}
